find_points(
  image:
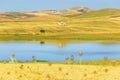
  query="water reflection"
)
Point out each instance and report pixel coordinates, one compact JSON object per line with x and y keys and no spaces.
{"x":42,"y":42}
{"x":58,"y":52}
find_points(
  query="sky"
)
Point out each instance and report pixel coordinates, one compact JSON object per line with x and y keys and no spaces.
{"x":37,"y":5}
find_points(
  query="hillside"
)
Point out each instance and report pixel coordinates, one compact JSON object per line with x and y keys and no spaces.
{"x":110,"y":12}
{"x":41,"y":15}
{"x":70,"y":11}
{"x":75,"y":12}
{"x":83,"y":26}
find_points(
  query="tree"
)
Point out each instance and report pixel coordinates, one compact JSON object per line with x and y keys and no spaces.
{"x":42,"y":31}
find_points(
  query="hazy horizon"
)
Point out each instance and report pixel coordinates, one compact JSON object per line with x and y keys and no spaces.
{"x":32,"y":5}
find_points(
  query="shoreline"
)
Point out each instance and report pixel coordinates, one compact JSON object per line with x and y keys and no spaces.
{"x":62,"y":37}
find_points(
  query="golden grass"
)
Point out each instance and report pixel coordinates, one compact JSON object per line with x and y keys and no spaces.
{"x":73,"y":25}
{"x":80,"y":27}
{"x":49,"y":71}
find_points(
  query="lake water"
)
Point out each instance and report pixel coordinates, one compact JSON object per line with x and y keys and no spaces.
{"x":52,"y":52}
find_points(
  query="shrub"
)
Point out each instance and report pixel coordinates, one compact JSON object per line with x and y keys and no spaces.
{"x":42,"y":31}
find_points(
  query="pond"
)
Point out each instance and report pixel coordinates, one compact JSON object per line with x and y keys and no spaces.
{"x":53,"y":52}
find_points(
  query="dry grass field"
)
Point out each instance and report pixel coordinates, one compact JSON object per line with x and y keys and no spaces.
{"x":96,"y":25}
{"x":53,"y":71}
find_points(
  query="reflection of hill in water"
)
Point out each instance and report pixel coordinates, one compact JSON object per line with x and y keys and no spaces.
{"x":62,"y":43}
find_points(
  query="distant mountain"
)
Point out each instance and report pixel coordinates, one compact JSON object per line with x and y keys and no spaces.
{"x":12,"y":16}
{"x":36,"y":15}
{"x":70,"y":11}
{"x":109,"y":12}
{"x":44,"y":15}
{"x":15,"y":14}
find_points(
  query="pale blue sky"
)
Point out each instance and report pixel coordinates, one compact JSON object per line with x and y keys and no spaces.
{"x":36,"y":5}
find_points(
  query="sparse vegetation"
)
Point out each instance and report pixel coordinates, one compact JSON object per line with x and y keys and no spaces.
{"x":88,"y":70}
{"x":62,"y":71}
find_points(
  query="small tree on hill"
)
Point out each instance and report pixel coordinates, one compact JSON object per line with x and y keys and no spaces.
{"x":42,"y":31}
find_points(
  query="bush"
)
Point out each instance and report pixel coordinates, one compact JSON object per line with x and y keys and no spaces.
{"x":42,"y":31}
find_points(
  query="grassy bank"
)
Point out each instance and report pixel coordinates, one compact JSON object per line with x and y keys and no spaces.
{"x":67,"y":37}
{"x":88,"y":62}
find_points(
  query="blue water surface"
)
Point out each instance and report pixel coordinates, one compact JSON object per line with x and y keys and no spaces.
{"x":52,"y":52}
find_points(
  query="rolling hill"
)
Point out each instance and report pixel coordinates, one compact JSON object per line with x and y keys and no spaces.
{"x":70,"y":11}
{"x":76,"y":23}
{"x":75,"y":12}
{"x":39,"y":15}
{"x":109,"y":12}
